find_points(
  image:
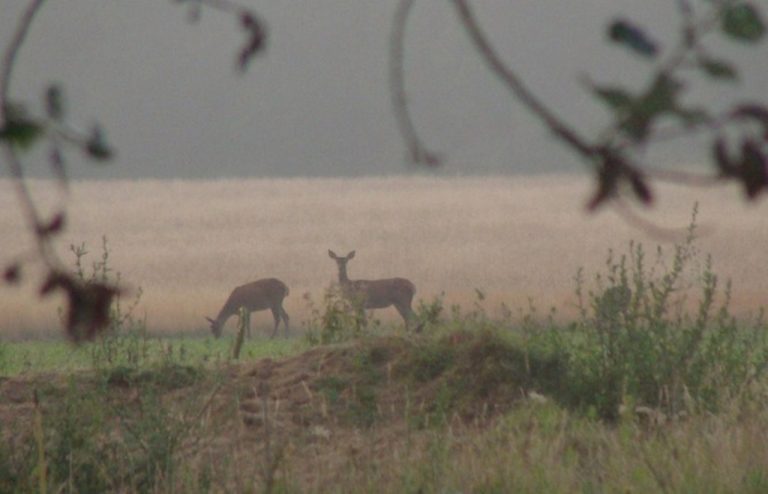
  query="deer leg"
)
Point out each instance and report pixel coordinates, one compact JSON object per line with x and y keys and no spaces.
{"x":406,"y":313}
{"x":286,"y":320}
{"x":276,"y":316}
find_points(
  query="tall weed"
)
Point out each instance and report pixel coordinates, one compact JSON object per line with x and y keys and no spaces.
{"x":337,"y":320}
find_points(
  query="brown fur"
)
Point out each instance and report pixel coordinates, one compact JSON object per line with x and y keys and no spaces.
{"x":267,"y":293}
{"x":376,"y":294}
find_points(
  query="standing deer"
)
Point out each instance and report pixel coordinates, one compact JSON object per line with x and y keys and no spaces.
{"x":376,"y":294}
{"x":267,"y":293}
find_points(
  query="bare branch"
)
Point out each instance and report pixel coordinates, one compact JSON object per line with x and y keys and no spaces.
{"x":9,"y":59}
{"x":516,"y":85}
{"x":630,"y":217}
{"x":683,"y":178}
{"x":15,"y":168}
{"x":417,"y":150}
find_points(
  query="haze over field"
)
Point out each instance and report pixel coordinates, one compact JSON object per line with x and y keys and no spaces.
{"x":188,"y":243}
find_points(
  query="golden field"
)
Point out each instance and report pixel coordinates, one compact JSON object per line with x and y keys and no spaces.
{"x":188,"y":243}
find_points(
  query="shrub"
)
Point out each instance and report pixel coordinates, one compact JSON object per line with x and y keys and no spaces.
{"x":636,"y":341}
{"x":338,"y":320}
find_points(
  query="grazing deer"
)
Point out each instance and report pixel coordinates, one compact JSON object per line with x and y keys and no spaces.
{"x":376,"y":294}
{"x":258,"y":295}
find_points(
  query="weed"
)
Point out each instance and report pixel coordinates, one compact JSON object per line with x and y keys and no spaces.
{"x":339,"y":319}
{"x":125,"y":340}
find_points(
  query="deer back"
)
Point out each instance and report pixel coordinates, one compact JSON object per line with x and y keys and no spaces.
{"x":258,"y":295}
{"x":377,"y":294}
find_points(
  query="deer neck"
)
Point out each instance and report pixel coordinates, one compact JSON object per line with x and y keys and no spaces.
{"x":343,"y":278}
{"x":225,"y":313}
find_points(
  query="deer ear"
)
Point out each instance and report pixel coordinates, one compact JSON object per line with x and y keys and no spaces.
{"x":351,"y":255}
{"x":209,"y":320}
{"x":331,"y":254}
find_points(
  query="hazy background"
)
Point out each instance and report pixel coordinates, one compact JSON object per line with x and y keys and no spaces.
{"x":317,"y":103}
{"x":513,"y":238}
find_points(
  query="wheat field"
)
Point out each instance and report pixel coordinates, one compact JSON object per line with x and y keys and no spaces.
{"x":186,"y":244}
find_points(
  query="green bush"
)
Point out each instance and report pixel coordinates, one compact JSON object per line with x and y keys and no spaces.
{"x":636,"y":341}
{"x":338,"y":320}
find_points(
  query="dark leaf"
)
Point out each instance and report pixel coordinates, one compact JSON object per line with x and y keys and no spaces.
{"x":88,"y":310}
{"x":12,"y":273}
{"x":249,"y":21}
{"x":660,"y":98}
{"x":722,"y":160}
{"x":625,"y":32}
{"x":693,"y":117}
{"x":742,"y":21}
{"x":616,"y":98}
{"x":20,"y":132}
{"x":255,"y":41}
{"x":608,"y":175}
{"x":637,"y":126}
{"x":718,"y":69}
{"x":756,"y":112}
{"x":753,"y":168}
{"x":55,"y":225}
{"x":96,"y":147}
{"x":615,"y":170}
{"x":88,"y":304}
{"x":640,"y":188}
{"x":54,"y":102}
{"x":51,"y":283}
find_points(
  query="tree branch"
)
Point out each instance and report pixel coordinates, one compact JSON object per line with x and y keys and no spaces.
{"x":516,"y":85}
{"x":9,"y":59}
{"x":12,"y":160}
{"x":417,"y":150}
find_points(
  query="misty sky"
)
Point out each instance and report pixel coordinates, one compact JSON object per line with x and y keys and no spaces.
{"x":317,"y":102}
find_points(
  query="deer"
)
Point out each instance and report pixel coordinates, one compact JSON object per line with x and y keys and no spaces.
{"x":267,"y":293}
{"x":376,"y":294}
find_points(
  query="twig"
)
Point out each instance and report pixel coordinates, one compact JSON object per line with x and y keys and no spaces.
{"x":684,"y":178}
{"x":417,"y":150}
{"x":516,"y":85}
{"x":628,"y":215}
{"x":9,"y":59}
{"x":30,"y":211}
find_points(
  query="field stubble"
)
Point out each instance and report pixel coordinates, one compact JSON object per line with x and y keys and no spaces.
{"x":188,"y":243}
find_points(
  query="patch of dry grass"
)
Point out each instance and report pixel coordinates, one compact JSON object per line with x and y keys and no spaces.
{"x":188,"y":243}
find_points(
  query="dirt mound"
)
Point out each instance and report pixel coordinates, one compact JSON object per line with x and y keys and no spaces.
{"x":325,"y":408}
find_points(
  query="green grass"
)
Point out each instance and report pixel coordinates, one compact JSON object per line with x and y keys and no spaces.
{"x":60,"y":356}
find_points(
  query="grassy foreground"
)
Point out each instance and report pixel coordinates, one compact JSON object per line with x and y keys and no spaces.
{"x":54,"y":355}
{"x":455,"y":412}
